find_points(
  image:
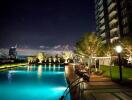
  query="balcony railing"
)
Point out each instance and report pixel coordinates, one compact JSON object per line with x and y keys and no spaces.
{"x":113,"y":17}
{"x":113,"y":39}
{"x":113,"y":21}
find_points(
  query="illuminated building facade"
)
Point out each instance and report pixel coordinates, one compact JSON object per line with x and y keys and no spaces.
{"x":12,"y":53}
{"x":113,"y":19}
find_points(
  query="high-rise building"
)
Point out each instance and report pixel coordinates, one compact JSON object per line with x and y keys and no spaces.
{"x":113,"y":19}
{"x":12,"y":53}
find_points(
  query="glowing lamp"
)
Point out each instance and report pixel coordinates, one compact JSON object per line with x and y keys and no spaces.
{"x":118,"y":49}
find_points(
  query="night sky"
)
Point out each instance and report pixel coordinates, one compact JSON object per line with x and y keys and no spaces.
{"x":33,"y":23}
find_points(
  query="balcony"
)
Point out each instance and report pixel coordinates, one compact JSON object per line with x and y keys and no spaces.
{"x":101,"y":31}
{"x":102,"y":35}
{"x":112,"y":13}
{"x":113,"y":21}
{"x":101,"y":8}
{"x":113,"y":17}
{"x":114,"y":30}
{"x":102,"y":21}
{"x":110,"y":1}
{"x":104,"y":41}
{"x":111,"y":6}
{"x":103,"y":27}
{"x":100,"y":2}
{"x":113,"y":26}
{"x":114,"y":39}
{"x":101,"y":16}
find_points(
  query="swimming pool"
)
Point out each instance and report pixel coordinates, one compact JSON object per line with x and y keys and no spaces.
{"x":42,"y":82}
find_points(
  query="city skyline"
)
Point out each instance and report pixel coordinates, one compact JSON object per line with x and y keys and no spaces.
{"x":45,"y":23}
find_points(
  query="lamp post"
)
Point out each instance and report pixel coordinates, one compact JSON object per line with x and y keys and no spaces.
{"x":119,"y":50}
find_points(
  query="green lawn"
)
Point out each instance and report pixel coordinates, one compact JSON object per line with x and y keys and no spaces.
{"x":126,"y":72}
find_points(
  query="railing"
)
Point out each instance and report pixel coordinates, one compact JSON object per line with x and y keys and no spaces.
{"x":82,"y":75}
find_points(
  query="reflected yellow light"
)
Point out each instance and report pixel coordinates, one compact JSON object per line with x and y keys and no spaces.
{"x":39,"y":71}
{"x":54,"y":59}
{"x":29,"y":68}
{"x":66,"y":69}
{"x":54,"y":67}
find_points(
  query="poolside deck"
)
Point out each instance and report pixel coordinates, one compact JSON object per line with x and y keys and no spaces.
{"x":99,"y":88}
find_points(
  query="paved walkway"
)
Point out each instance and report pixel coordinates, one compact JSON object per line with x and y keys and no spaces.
{"x":99,"y":88}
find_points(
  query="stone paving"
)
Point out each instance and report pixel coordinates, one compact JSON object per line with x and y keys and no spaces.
{"x":99,"y":88}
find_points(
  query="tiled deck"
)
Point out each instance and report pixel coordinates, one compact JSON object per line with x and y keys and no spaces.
{"x":99,"y":88}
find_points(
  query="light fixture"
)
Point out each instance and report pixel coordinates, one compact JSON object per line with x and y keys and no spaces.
{"x":118,"y":49}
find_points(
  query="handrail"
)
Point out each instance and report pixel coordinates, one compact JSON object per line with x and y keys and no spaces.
{"x":64,"y":96}
{"x":85,"y":78}
{"x":71,"y":84}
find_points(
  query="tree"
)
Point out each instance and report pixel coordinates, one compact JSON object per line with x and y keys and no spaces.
{"x":126,"y":43}
{"x":67,"y":55}
{"x":31,"y":59}
{"x":41,"y":56}
{"x":89,"y":46}
{"x":108,"y":49}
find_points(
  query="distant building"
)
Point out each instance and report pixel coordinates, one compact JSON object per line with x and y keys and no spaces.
{"x":113,"y":19}
{"x":12,"y":53}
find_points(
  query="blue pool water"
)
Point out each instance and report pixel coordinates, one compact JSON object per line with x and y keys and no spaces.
{"x":33,"y":83}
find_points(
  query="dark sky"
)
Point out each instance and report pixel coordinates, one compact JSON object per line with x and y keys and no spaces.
{"x":44,"y":22}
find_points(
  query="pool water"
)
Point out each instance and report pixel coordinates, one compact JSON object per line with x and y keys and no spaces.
{"x":40,"y":82}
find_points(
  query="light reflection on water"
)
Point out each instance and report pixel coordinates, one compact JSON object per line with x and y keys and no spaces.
{"x":35,"y":82}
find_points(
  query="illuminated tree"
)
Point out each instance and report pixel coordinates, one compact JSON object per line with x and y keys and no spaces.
{"x":67,"y":55}
{"x":89,"y":46}
{"x":31,"y":59}
{"x":41,"y":56}
{"x":127,"y":46}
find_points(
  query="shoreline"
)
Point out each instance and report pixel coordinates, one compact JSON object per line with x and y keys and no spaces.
{"x":2,"y":67}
